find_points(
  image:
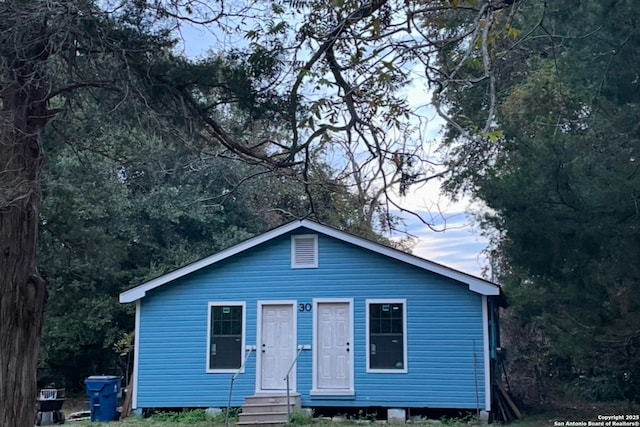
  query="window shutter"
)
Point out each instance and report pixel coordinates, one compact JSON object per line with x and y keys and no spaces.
{"x":304,"y":252}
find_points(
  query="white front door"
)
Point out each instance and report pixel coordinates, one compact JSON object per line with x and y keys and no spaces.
{"x":277,"y":346}
{"x":334,"y":347}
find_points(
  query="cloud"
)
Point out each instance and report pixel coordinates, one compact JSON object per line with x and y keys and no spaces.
{"x":459,"y":246}
{"x":458,"y":243}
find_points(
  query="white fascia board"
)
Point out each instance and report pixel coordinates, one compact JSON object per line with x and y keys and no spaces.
{"x":140,"y":291}
{"x":475,"y":284}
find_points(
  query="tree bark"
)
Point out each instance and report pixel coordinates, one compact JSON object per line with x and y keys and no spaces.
{"x":23,"y":291}
{"x":22,"y":301}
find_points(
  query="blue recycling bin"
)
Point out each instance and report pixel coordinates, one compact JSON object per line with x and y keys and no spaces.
{"x":103,"y":392}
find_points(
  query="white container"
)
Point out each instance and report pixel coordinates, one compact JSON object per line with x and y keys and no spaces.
{"x":396,"y":416}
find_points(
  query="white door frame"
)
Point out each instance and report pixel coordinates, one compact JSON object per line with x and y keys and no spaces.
{"x":294,"y":339}
{"x":316,"y":347}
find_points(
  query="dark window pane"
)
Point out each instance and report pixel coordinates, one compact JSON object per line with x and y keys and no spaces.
{"x":236,"y":328}
{"x":396,"y":326}
{"x":374,"y":310}
{"x":374,"y":326}
{"x":389,"y":351}
{"x":386,"y":336}
{"x":226,"y":337}
{"x":384,"y":311}
{"x":386,"y":326}
{"x":225,"y":352}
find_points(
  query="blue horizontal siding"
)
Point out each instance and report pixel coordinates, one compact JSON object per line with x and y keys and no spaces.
{"x":444,"y":328}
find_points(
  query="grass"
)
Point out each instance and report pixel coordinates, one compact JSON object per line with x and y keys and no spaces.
{"x":540,"y":417}
{"x":159,"y":422}
{"x":532,"y":421}
{"x":198,"y":418}
{"x":184,"y":420}
{"x":148,"y":422}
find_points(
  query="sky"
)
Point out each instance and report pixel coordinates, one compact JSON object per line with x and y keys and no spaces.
{"x":460,"y":245}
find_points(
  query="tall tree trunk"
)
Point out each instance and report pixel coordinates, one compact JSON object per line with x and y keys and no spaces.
{"x":22,"y":290}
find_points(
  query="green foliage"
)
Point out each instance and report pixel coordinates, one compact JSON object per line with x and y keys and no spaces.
{"x":126,"y":208}
{"x":465,"y":419}
{"x":365,"y":416}
{"x":234,"y":414}
{"x":186,"y":417}
{"x":149,"y":153}
{"x":301,"y":418}
{"x":561,"y":183}
{"x":189,"y":418}
{"x":130,"y":198}
{"x":602,"y":388}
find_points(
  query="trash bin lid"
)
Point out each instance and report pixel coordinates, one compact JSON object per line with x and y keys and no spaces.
{"x":103,"y":378}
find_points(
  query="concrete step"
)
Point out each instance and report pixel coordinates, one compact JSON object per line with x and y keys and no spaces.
{"x":274,"y":399}
{"x":262,"y":418}
{"x":268,"y":409}
{"x":252,"y":408}
{"x":259,"y":423}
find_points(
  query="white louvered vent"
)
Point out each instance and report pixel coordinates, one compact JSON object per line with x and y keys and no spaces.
{"x":304,"y":251}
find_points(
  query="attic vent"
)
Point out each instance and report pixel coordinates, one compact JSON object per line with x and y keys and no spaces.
{"x":304,"y":251}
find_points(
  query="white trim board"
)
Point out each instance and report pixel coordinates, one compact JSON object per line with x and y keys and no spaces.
{"x":474,"y":283}
{"x":136,"y":358}
{"x":487,"y":360}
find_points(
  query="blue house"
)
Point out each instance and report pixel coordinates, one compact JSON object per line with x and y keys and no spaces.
{"x":354,"y":323}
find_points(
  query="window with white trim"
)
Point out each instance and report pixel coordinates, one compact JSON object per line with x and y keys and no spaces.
{"x":386,"y":336}
{"x":304,"y":251}
{"x":226,"y":336}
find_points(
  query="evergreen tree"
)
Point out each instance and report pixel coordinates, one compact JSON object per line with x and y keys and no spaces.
{"x":560,"y":177}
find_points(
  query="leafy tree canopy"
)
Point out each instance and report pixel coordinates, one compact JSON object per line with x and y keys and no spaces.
{"x":123,"y":204}
{"x":315,"y":80}
{"x":560,"y":176}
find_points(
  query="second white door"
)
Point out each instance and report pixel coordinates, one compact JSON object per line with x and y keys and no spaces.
{"x":334,"y":347}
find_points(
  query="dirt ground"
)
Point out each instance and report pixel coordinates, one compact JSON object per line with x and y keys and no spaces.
{"x":75,"y":404}
{"x":553,"y":414}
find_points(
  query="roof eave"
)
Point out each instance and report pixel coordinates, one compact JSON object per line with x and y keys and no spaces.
{"x":140,"y":291}
{"x":475,"y":284}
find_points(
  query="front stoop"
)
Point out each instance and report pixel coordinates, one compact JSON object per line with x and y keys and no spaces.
{"x":268,"y":409}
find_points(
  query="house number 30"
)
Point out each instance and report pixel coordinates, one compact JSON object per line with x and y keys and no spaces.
{"x":304,"y":307}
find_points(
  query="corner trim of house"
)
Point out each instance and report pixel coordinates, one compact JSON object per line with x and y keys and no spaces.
{"x":486,"y":357}
{"x":136,"y":359}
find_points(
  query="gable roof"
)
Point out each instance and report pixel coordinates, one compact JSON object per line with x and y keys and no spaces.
{"x":475,"y":284}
